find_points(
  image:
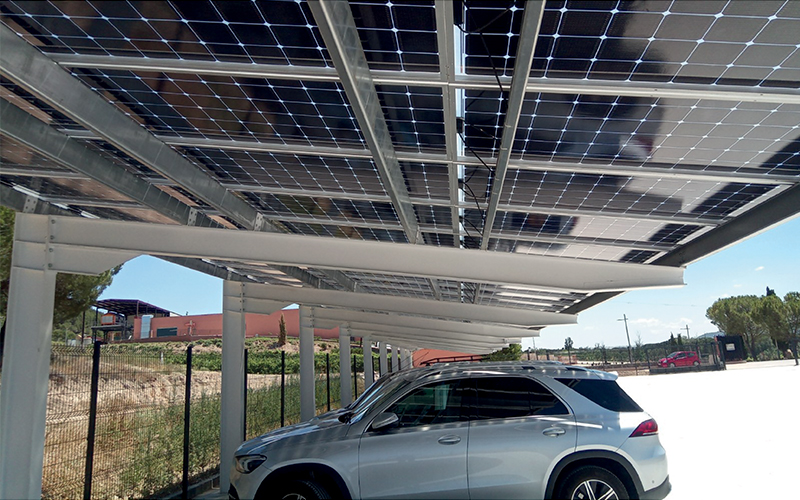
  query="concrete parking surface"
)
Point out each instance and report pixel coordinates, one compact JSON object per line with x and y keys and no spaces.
{"x":731,"y":434}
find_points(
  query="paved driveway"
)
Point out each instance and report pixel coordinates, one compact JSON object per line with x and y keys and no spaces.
{"x":729,"y":435}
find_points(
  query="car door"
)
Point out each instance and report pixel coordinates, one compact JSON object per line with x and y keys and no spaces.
{"x":425,"y":454}
{"x":518,"y":431}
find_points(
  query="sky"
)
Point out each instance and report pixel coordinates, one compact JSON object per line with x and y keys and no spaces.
{"x":747,"y":268}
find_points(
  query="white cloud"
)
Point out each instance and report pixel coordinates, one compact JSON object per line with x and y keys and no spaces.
{"x":645,"y":321}
{"x":759,"y":268}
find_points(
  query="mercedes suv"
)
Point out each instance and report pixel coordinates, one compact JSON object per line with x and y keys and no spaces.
{"x":489,"y":430}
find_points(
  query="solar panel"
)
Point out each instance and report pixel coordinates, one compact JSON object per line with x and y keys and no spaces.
{"x":676,"y":119}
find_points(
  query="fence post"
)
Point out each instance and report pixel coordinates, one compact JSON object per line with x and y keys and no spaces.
{"x":87,"y":482}
{"x":355,"y":378}
{"x":283,"y":388}
{"x":244,"y":413}
{"x":328,"y":378}
{"x":186,"y":421}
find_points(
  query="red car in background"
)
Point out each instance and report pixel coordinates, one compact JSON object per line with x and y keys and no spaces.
{"x":679,"y":358}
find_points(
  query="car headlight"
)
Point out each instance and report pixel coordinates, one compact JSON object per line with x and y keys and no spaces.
{"x":248,"y":463}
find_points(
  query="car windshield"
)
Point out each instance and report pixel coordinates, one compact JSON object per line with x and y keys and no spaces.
{"x":377,"y":392}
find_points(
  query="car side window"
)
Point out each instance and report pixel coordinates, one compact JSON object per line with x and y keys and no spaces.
{"x":508,"y":397}
{"x":437,"y":403}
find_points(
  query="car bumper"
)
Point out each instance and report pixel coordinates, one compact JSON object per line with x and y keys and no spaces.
{"x":658,"y":492}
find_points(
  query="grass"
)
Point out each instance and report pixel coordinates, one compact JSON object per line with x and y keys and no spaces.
{"x":139,"y":453}
{"x":139,"y":434}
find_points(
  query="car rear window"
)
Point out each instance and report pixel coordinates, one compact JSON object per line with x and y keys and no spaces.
{"x":606,"y":393}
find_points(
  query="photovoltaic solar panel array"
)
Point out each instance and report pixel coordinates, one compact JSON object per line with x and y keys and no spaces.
{"x":647,"y":128}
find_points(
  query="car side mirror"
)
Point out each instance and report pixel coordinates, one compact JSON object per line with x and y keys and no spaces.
{"x":385,"y":421}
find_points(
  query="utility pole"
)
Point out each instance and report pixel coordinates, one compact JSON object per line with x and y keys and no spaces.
{"x":630,"y":356}
{"x":687,"y":331}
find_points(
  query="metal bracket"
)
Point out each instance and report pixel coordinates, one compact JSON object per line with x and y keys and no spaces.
{"x":30,"y":204}
{"x":192,"y":217}
{"x":258,"y":225}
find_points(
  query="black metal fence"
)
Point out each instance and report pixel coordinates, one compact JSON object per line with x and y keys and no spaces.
{"x":637,"y":360}
{"x":129,"y":422}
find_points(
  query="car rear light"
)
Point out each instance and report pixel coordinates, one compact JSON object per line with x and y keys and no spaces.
{"x":646,"y":428}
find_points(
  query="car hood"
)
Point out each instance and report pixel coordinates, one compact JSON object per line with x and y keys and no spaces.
{"x":327,"y":422}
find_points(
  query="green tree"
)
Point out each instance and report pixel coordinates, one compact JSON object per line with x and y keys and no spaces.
{"x":282,"y":331}
{"x":74,"y":293}
{"x":568,"y":346}
{"x":511,"y":353}
{"x":781,"y":318}
{"x":738,"y":316}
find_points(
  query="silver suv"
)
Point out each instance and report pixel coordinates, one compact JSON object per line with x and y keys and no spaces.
{"x":471,"y":431}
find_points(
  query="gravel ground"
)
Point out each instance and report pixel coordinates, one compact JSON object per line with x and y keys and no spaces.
{"x":731,"y":434}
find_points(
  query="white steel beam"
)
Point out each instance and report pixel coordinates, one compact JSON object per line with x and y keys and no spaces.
{"x":232,"y":406}
{"x":28,"y":67}
{"x":346,"y":375}
{"x":444,"y":36}
{"x":444,"y":345}
{"x":26,"y":370}
{"x":440,"y":336}
{"x":43,"y":138}
{"x":337,"y":26}
{"x":596,"y":167}
{"x":445,"y":336}
{"x":740,"y":93}
{"x":531,"y":20}
{"x":308,"y":405}
{"x":363,"y":256}
{"x":34,"y":71}
{"x":405,"y":305}
{"x":454,"y":328}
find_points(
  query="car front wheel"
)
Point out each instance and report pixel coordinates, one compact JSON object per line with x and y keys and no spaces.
{"x":672,"y":365}
{"x":592,"y":483}
{"x":302,"y":490}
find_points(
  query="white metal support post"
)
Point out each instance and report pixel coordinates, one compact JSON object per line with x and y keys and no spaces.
{"x":307,"y":397}
{"x":369,"y":369}
{"x":346,"y":376}
{"x":26,"y":370}
{"x":232,"y":412}
{"x":408,"y":363}
{"x":383,"y":358}
{"x":395,"y":358}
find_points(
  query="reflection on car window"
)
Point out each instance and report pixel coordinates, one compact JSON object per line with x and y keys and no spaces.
{"x":508,"y":397}
{"x":606,"y":393}
{"x":437,"y":403}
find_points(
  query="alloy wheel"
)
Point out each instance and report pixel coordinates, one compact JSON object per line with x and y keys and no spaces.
{"x":594,"y":489}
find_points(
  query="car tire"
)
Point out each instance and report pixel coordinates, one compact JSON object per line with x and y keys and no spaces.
{"x":696,"y":363}
{"x":591,"y":482}
{"x":302,"y":490}
{"x":672,"y":365}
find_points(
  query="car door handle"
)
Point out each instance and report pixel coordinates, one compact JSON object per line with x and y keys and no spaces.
{"x":450,"y":439}
{"x":553,"y":431}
